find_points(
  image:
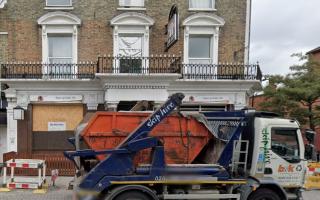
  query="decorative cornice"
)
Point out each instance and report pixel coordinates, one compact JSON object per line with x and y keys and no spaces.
{"x":135,"y":87}
{"x":132,"y":18}
{"x":59,"y":18}
{"x":203,"y":19}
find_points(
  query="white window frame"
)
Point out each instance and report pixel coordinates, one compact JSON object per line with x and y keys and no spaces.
{"x":203,"y":24}
{"x":123,"y":6}
{"x":144,"y":65}
{"x":132,"y":24}
{"x":59,"y":23}
{"x":57,"y":35}
{"x":211,"y":36}
{"x":70,"y":4}
{"x":56,"y":30}
{"x":206,"y":31}
{"x":203,"y":9}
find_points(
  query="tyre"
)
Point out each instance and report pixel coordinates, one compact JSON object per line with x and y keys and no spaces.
{"x":264,"y":194}
{"x":133,"y":195}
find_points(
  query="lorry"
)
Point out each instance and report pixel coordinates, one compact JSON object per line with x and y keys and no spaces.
{"x":262,"y":159}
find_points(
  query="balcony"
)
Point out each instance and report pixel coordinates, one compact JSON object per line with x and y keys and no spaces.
{"x":140,"y":65}
{"x":131,"y":66}
{"x":37,"y":70}
{"x":235,"y":71}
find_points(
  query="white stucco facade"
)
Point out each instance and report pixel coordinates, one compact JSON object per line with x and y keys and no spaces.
{"x":111,"y":89}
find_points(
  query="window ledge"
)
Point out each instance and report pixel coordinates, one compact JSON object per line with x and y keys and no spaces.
{"x":3,"y":33}
{"x":58,"y":8}
{"x":202,"y":9}
{"x":131,"y":8}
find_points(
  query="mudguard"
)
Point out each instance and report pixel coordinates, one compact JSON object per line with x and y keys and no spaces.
{"x":254,"y":184}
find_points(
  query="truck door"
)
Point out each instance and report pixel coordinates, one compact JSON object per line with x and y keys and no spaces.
{"x":286,"y":161}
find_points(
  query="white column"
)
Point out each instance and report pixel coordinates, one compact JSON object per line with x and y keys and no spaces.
{"x":146,"y":42}
{"x":75,"y":44}
{"x":92,"y":106}
{"x":111,"y":106}
{"x":44,"y":44}
{"x":186,"y":45}
{"x":45,"y":49}
{"x":115,"y":49}
{"x":215,"y":51}
{"x":12,"y":127}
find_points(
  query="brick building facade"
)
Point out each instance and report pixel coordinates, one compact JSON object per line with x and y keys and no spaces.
{"x":64,"y":58}
{"x":95,"y":34}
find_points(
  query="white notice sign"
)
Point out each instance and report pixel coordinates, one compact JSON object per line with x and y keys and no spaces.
{"x":56,"y":98}
{"x":56,"y":126}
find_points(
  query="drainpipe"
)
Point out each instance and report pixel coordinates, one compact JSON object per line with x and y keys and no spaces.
{"x":248,"y":30}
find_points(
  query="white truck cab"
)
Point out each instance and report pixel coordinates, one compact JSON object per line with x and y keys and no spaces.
{"x":279,"y":151}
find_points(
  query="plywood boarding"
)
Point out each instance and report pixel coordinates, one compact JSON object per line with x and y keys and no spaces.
{"x":71,"y":114}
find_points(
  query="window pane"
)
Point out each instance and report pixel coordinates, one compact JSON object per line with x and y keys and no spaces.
{"x":138,"y":3}
{"x":59,"y":2}
{"x":201,"y":3}
{"x":199,"y":47}
{"x":60,"y":60}
{"x":60,"y":46}
{"x":284,"y":142}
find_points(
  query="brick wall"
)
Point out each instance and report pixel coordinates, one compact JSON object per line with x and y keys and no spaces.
{"x":23,"y":42}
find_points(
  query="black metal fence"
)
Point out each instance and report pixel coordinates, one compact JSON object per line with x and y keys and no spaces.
{"x":130,"y":65}
{"x":36,"y":70}
{"x":235,"y":71}
{"x":140,"y":65}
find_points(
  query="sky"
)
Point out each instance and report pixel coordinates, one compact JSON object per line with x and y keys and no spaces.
{"x":280,"y":28}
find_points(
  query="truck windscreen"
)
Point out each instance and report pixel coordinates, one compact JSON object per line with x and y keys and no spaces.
{"x":284,"y":142}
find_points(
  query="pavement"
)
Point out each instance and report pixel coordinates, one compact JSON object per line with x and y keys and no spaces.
{"x":60,"y":192}
{"x":57,"y":192}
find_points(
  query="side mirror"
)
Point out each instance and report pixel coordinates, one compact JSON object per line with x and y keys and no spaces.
{"x":309,"y":152}
{"x":310,"y":136}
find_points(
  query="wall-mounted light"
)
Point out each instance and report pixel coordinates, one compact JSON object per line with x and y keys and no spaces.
{"x":18,"y":113}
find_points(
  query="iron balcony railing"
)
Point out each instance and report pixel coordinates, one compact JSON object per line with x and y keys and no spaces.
{"x":140,"y":65}
{"x":37,"y":70}
{"x":130,"y":65}
{"x":231,"y":71}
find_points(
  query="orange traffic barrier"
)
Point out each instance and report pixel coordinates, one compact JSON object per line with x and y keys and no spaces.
{"x":313,"y":176}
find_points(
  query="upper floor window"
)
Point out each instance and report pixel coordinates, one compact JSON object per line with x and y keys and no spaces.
{"x":201,"y":4}
{"x":131,"y":3}
{"x":201,"y":38}
{"x":200,"y":49}
{"x":58,"y":3}
{"x":60,"y":48}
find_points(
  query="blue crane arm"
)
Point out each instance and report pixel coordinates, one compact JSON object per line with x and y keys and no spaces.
{"x":144,"y":128}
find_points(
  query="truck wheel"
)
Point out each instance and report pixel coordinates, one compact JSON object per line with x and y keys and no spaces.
{"x":264,"y":194}
{"x":132,"y":195}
